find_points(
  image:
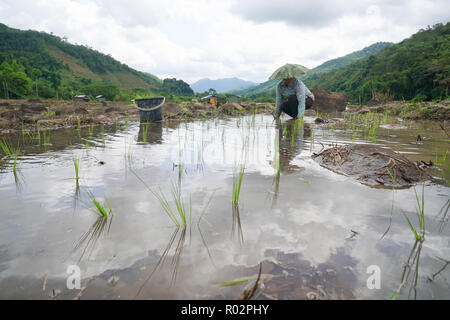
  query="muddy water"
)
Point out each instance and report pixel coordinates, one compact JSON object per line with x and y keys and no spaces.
{"x":316,"y":233}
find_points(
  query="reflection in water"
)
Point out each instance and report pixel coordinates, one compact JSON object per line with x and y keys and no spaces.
{"x":288,"y":144}
{"x":33,"y":247}
{"x":18,"y":179}
{"x":276,"y":189}
{"x":206,"y":245}
{"x":175,"y":258}
{"x":291,"y":137}
{"x":90,"y":238}
{"x":443,"y":215}
{"x":236,"y":227}
{"x":412,"y":264}
{"x":150,"y":132}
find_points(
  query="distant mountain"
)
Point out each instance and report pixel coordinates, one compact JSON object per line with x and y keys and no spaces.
{"x":268,"y":87}
{"x":220,"y":85}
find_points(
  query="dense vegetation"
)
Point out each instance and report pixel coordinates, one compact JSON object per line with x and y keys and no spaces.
{"x":37,"y":64}
{"x":350,"y":58}
{"x":265,"y":92}
{"x":178,"y":87}
{"x":415,"y":68}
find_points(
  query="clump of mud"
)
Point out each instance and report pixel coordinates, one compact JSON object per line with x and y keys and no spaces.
{"x":371,"y":165}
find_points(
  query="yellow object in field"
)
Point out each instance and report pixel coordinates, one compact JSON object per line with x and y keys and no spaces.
{"x":213,"y":101}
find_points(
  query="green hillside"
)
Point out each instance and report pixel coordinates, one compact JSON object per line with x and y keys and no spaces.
{"x":266,"y":90}
{"x":412,"y":69}
{"x":39,"y":64}
{"x":337,"y":63}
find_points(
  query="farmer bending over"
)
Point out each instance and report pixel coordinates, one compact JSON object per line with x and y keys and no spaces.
{"x":291,"y":96}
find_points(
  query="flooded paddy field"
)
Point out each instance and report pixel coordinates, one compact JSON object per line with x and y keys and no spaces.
{"x":193,"y":209}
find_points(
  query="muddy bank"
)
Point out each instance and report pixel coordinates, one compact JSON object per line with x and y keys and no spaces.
{"x":406,"y":110}
{"x":17,"y":115}
{"x":373,"y":165}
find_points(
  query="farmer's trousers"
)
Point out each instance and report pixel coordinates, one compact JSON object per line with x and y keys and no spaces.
{"x":290,"y":106}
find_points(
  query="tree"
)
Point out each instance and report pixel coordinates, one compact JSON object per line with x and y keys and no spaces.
{"x":177,"y":87}
{"x":15,"y":77}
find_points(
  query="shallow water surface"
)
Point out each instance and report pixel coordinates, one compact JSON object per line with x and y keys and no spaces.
{"x":316,"y":233}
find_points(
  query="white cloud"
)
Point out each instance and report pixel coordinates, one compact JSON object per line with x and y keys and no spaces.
{"x":218,"y":39}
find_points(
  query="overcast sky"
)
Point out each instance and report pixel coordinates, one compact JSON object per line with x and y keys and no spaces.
{"x":247,"y":39}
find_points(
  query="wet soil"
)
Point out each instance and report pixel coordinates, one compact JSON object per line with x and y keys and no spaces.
{"x":372,"y":165}
{"x":17,"y":115}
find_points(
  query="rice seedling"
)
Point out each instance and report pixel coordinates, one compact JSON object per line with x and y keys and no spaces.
{"x":443,"y":165}
{"x":179,"y":217}
{"x":102,"y":210}
{"x":392,"y":206}
{"x":238,"y":174}
{"x":234,"y":282}
{"x":249,"y":292}
{"x":419,"y":237}
{"x":6,"y":147}
{"x":419,"y":234}
{"x":354,"y":137}
{"x":38,"y":133}
{"x":12,"y":153}
{"x":385,"y":118}
{"x":128,"y":156}
{"x":47,"y":138}
{"x":76,"y":165}
{"x":91,"y":129}
{"x":91,"y":237}
{"x":145,"y":127}
{"x":102,"y":133}
{"x":372,"y":133}
{"x":24,"y":130}
{"x":205,"y":208}
{"x":179,"y":203}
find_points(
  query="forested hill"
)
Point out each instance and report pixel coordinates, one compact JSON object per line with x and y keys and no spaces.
{"x":415,"y":68}
{"x":268,"y":88}
{"x":37,"y":63}
{"x":350,"y":58}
